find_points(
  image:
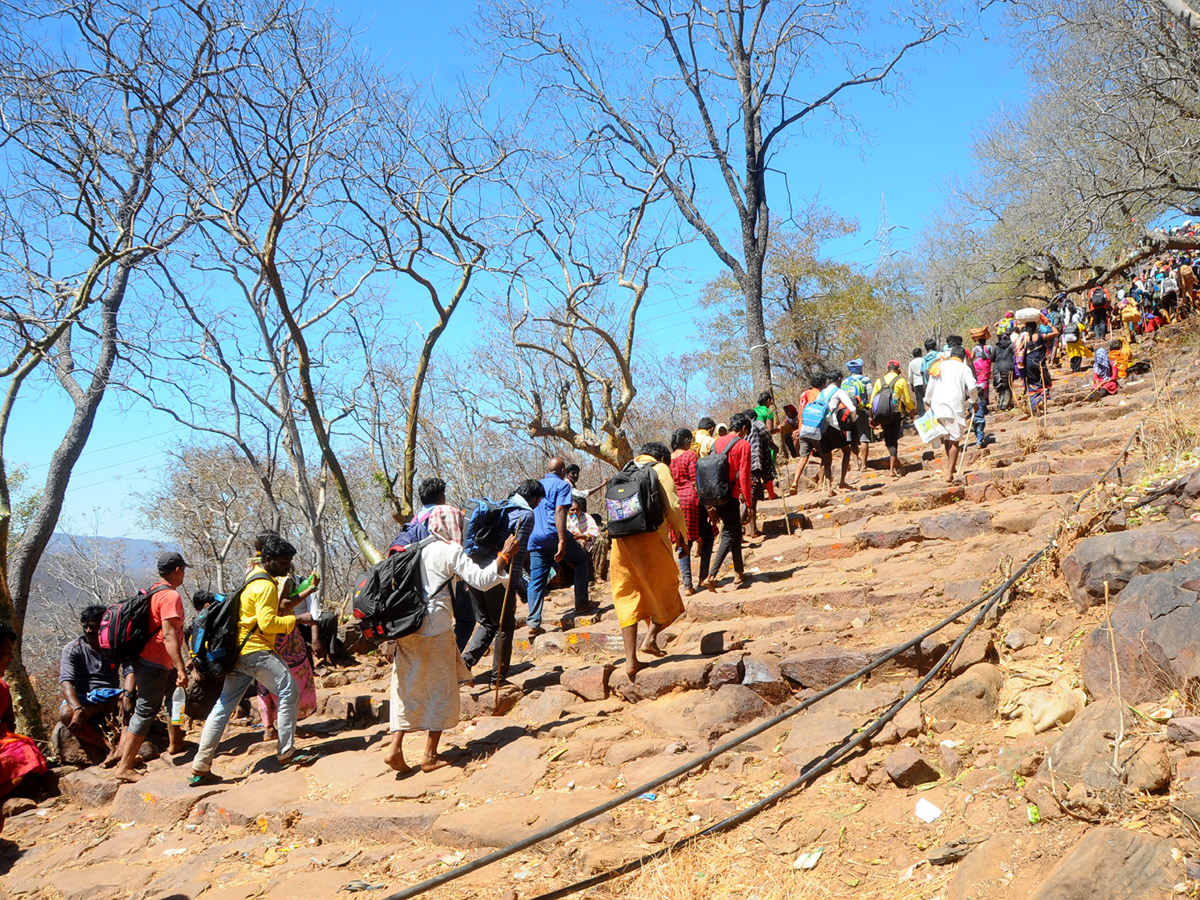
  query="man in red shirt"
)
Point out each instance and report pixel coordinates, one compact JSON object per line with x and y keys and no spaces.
{"x":161,"y":658}
{"x":734,"y":512}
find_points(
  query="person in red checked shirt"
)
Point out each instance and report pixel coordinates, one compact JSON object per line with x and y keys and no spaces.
{"x":734,"y":512}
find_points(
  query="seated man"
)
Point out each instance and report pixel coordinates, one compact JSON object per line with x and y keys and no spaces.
{"x":94,"y":688}
{"x":594,"y":541}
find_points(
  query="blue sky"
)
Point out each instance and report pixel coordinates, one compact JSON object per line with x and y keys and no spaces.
{"x":917,"y":142}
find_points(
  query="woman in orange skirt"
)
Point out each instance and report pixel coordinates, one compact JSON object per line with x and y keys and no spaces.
{"x":643,"y":570}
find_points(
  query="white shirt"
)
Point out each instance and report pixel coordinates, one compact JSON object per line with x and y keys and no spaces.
{"x":947,"y":392}
{"x":915,"y":378}
{"x":441,"y":562}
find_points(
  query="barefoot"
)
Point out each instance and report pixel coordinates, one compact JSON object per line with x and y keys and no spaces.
{"x":396,"y":761}
{"x":433,"y":763}
{"x":127,"y":776}
{"x":631,"y":669}
{"x":270,"y":734}
{"x":653,"y":650}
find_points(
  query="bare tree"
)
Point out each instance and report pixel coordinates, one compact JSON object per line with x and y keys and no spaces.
{"x":97,"y":99}
{"x":567,"y":366}
{"x":707,"y":99}
{"x":422,"y":193}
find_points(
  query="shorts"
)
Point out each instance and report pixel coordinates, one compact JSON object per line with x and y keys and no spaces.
{"x":955,"y":428}
{"x":860,"y":432}
{"x":891,"y":434}
{"x":831,"y":440}
{"x":151,"y":684}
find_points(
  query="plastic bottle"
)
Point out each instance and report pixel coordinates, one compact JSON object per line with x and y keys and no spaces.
{"x":305,"y":584}
{"x":178,"y":699}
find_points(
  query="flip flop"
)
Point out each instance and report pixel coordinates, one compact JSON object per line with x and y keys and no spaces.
{"x":199,"y":779}
{"x":300,"y":759}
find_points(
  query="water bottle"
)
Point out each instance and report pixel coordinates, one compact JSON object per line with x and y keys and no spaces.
{"x":178,"y":699}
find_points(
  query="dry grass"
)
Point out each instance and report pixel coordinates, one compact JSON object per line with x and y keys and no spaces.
{"x":737,"y":867}
{"x":914,"y":504}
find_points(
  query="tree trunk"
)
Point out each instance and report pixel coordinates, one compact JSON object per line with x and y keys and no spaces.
{"x":24,"y":559}
{"x":756,"y":329}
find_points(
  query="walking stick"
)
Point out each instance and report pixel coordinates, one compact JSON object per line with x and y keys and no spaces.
{"x":787,"y":516}
{"x":497,"y":654}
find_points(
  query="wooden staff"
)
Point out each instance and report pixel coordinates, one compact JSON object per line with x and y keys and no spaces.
{"x":497,"y":655}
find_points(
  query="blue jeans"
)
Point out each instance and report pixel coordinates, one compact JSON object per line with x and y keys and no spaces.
{"x":541,"y":564}
{"x":272,"y":673}
{"x":979,"y":420}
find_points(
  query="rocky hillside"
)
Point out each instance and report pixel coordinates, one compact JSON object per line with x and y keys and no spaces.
{"x":1033,"y":765}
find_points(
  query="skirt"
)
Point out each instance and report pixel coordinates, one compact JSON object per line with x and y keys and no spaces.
{"x":294,"y":653}
{"x":426,"y":672}
{"x":645,"y":580}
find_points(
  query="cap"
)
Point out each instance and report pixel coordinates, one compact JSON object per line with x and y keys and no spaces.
{"x":170,"y":561}
{"x":855,"y":365}
{"x":893,"y":363}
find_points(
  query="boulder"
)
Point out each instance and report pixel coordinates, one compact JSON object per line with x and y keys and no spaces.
{"x":1184,"y":729}
{"x":909,"y":721}
{"x":1084,"y":752}
{"x":1153,"y":626}
{"x":487,"y":701}
{"x":889,"y":539}
{"x":1113,"y":864}
{"x":1018,"y":639}
{"x":660,"y":678}
{"x":977,"y":648}
{"x":907,"y":768}
{"x":1149,"y":769}
{"x":973,"y":696}
{"x":951,"y":761}
{"x":1118,"y":557}
{"x":727,"y":669}
{"x":590,"y":682}
{"x":956,"y":526}
{"x":732,"y":706}
{"x":89,"y":787}
{"x":764,"y":676}
{"x":818,"y":669}
{"x":714,"y":643}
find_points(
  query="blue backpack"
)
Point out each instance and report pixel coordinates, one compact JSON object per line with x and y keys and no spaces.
{"x":815,"y":416}
{"x":487,"y":528}
{"x":414,"y":532}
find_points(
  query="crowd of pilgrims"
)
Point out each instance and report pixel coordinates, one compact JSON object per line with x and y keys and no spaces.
{"x":944,"y":392}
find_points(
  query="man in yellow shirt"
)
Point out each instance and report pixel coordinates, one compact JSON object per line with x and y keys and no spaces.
{"x":702,"y":437}
{"x":891,"y":420}
{"x":261,"y":620}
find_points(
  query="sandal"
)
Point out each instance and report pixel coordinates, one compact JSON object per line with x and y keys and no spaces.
{"x":202,"y":779}
{"x":300,"y":758}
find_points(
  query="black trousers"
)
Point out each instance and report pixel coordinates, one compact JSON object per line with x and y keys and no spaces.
{"x":919,"y":394}
{"x":731,"y":537}
{"x":488,"y":623}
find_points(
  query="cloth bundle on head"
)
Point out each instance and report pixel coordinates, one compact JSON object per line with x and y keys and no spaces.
{"x":446,"y":522}
{"x":855,"y":366}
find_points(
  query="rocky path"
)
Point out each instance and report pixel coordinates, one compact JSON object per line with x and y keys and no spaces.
{"x":1027,"y":791}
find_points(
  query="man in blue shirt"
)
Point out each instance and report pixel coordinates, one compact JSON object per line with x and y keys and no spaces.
{"x":550,"y":542}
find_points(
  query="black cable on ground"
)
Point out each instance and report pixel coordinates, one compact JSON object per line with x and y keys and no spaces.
{"x":816,"y":768}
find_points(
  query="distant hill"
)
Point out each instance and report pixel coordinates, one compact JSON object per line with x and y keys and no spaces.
{"x":76,"y":571}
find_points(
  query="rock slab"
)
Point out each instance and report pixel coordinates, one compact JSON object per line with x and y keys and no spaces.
{"x":1113,"y":864}
{"x":1118,"y":557}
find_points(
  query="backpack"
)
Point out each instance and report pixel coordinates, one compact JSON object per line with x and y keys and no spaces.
{"x":414,"y":532}
{"x":714,"y":481}
{"x":633,"y":502}
{"x":389,"y":601}
{"x":859,"y":389}
{"x":1097,"y":300}
{"x":487,"y":528}
{"x":885,"y":407}
{"x":815,"y":417}
{"x":214,"y":645}
{"x":125,"y":628}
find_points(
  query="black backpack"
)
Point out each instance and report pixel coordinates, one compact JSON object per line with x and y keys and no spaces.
{"x":633,"y":501}
{"x":125,"y":628}
{"x":389,"y":601}
{"x":714,"y":485}
{"x":214,"y":644}
{"x":885,"y":408}
{"x":487,"y":529}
